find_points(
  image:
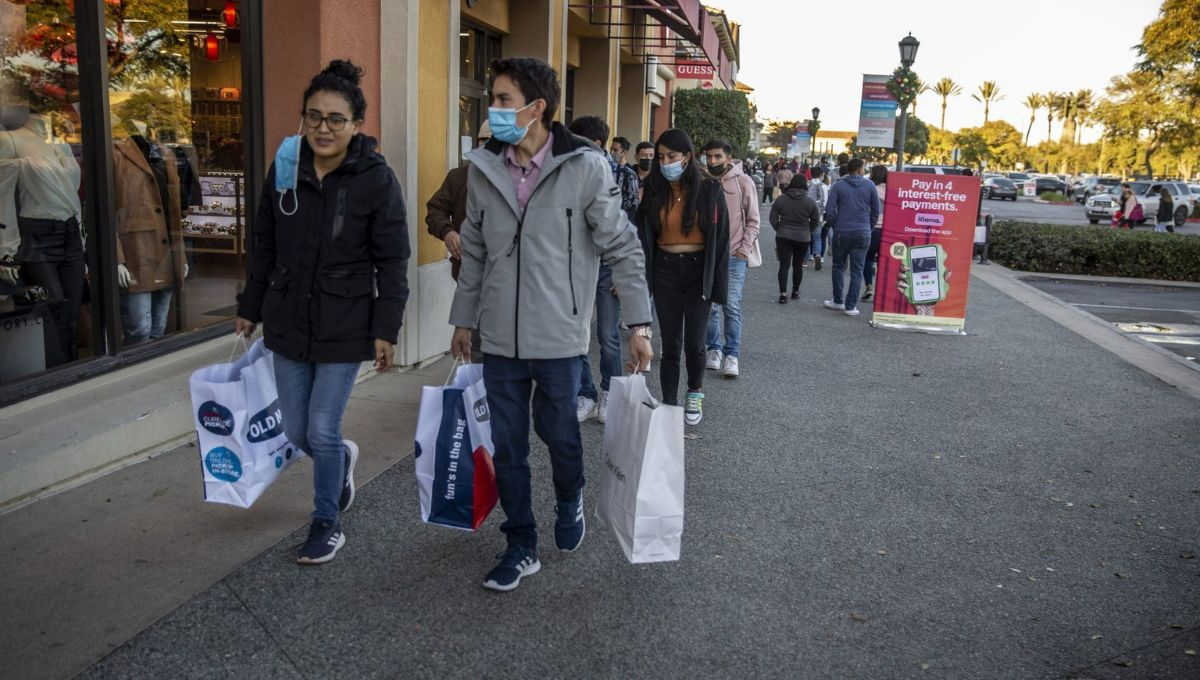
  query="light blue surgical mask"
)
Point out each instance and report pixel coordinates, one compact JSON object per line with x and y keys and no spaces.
{"x":672,"y":171}
{"x":287,"y":169}
{"x":504,"y":124}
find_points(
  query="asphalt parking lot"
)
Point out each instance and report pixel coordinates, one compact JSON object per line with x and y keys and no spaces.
{"x":1025,"y":209}
{"x":1165,"y":315}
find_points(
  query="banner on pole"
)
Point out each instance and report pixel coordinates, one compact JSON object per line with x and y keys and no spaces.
{"x":925,"y":252}
{"x":877,"y":115}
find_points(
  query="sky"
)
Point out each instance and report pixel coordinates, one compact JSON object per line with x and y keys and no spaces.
{"x":798,"y":54}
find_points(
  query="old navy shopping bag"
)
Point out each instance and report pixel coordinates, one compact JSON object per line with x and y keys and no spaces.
{"x":453,"y":452}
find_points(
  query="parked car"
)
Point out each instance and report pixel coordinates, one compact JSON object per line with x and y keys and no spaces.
{"x":1053,"y":184}
{"x":1017,"y":177}
{"x":1091,"y":186}
{"x":999,"y":187}
{"x":935,"y":169}
{"x":1102,"y":206}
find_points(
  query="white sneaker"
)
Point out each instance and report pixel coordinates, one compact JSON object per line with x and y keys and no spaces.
{"x":585,"y":409}
{"x":713,"y":362}
{"x":602,"y":407}
{"x":730,"y":368}
{"x":830,"y":304}
{"x":852,"y":312}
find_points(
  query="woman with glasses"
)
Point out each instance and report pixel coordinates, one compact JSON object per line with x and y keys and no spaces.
{"x":328,"y":282}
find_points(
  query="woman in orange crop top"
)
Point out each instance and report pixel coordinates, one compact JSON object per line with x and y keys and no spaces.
{"x":684,"y":228}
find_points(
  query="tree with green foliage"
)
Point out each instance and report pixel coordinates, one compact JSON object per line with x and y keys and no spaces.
{"x":1171,"y":43}
{"x":987,"y":94}
{"x":1144,"y":104}
{"x":946,"y":88}
{"x":714,"y":114}
{"x":1033,"y":102}
{"x":779,"y":133}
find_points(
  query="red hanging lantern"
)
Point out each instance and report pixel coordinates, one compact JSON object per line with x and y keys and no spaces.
{"x":230,"y":14}
{"x":210,"y":47}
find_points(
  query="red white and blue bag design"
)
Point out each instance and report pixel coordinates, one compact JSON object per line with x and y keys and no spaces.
{"x":455,"y":475}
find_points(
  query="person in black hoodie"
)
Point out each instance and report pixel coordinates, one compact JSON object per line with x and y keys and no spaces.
{"x":795,"y":216}
{"x":328,"y":281}
{"x":684,"y":226}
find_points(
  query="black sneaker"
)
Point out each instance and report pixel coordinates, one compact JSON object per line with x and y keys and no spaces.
{"x":514,"y":563}
{"x":570,"y":527}
{"x":347,"y":497}
{"x":324,"y":540}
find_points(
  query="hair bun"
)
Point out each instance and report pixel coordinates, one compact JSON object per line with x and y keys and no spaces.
{"x":345,"y":70}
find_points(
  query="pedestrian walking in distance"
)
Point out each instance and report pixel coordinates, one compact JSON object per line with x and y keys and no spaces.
{"x":1165,"y":219}
{"x":796,"y":220}
{"x":684,"y":227}
{"x":542,"y":210}
{"x":853,"y":209}
{"x":879,"y":175}
{"x":329,"y":281}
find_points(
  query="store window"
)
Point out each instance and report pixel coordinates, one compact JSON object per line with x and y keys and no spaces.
{"x":569,"y":97}
{"x":173,"y":238}
{"x":43,"y":267}
{"x":175,"y":93}
{"x":478,"y":47}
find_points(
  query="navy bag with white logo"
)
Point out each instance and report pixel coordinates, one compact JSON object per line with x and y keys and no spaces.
{"x":239,"y":427}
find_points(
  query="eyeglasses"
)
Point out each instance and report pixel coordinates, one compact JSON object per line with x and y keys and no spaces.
{"x":335,"y":122}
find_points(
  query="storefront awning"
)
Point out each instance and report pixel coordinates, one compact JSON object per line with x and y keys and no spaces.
{"x":686,"y":20}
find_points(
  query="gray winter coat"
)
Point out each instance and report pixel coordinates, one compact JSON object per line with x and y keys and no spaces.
{"x":528,"y":283}
{"x":795,"y":215}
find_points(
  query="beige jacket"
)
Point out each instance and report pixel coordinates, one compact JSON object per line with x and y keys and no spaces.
{"x":149,"y":234}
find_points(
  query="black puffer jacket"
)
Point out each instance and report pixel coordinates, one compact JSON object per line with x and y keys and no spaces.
{"x":330,"y":279}
{"x":713,"y":222}
{"x":794,"y":216}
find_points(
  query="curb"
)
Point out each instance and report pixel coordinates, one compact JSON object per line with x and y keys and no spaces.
{"x":1145,"y":356}
{"x":1038,"y":200}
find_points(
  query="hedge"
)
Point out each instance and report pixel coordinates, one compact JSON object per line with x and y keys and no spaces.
{"x":1069,"y":249}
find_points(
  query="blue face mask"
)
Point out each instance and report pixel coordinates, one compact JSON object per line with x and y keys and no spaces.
{"x":287,"y":169}
{"x":504,"y":124}
{"x":672,"y":171}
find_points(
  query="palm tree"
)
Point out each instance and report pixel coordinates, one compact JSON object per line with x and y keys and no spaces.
{"x":1050,"y":100}
{"x":988,"y":92}
{"x":922,"y":88}
{"x":946,"y":88}
{"x":1066,"y":114}
{"x":1084,"y":103}
{"x":1033,"y":102}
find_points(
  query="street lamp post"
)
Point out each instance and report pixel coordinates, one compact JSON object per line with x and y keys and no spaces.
{"x":816,"y":126}
{"x":908,"y":55}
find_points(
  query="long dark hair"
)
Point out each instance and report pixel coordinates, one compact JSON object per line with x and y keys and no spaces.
{"x":658,"y":190}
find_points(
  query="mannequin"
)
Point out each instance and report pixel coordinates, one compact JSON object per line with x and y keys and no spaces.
{"x":150,"y":251}
{"x":42,"y":224}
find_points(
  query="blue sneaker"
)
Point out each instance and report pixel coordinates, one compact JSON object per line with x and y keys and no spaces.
{"x":514,"y":563}
{"x":570,"y":527}
{"x":324,"y":540}
{"x":347,"y":497}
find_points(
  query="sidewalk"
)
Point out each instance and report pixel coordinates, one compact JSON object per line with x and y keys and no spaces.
{"x":1017,"y":503}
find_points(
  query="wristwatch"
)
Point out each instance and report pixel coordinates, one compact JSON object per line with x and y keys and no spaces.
{"x":643,"y":332}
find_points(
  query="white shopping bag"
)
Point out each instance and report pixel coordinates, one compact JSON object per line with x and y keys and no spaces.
{"x":240,"y":427}
{"x":641,"y":472}
{"x":453,"y":454}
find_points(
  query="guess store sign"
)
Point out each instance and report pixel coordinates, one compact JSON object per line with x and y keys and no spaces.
{"x":695,"y":70}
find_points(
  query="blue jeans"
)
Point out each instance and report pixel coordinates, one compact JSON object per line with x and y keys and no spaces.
{"x":872,"y":257}
{"x":313,"y":398}
{"x":850,"y":246}
{"x":553,"y":385}
{"x":731,"y":310}
{"x":608,"y":333}
{"x":817,"y":245}
{"x":144,"y":315}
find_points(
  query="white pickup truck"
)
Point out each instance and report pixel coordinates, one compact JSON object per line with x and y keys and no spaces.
{"x":1102,"y":206}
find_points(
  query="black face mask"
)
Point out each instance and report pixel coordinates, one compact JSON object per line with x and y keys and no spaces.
{"x":718,"y":170}
{"x":644,"y":164}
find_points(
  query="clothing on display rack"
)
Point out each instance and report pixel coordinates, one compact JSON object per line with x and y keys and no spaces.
{"x":149,"y":235}
{"x":41,"y":227}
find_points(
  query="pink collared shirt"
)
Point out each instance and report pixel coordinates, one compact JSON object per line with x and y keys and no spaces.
{"x":525,"y":177}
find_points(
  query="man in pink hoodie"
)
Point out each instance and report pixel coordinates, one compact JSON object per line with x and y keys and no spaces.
{"x":741,"y":197}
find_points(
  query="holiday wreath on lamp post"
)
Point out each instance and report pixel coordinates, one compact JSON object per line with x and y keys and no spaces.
{"x":903,"y":85}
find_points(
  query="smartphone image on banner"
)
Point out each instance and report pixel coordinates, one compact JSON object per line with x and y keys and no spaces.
{"x":925,"y":275}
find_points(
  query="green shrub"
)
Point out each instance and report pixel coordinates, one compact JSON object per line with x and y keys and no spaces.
{"x":1069,"y":249}
{"x":1054,"y":197}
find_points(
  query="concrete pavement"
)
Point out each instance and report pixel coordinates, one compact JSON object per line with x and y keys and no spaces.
{"x":1016,"y":503}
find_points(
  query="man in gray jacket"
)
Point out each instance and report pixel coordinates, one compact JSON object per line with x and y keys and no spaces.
{"x":542,"y":209}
